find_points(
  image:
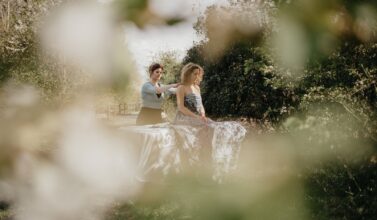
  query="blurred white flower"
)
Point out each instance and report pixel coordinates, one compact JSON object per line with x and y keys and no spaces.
{"x":366,"y":23}
{"x":171,"y":9}
{"x":21,"y":96}
{"x":82,"y":33}
{"x":291,"y":43}
{"x":90,"y":168}
{"x":100,"y":158}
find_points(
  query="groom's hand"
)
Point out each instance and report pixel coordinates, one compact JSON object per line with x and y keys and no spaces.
{"x":158,"y":90}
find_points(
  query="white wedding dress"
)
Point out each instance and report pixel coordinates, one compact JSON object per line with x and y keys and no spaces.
{"x":188,"y":142}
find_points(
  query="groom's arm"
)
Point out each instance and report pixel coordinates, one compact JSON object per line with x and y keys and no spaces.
{"x":150,"y":89}
{"x":169,"y":89}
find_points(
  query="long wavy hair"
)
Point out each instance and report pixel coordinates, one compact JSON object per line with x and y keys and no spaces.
{"x":188,"y":70}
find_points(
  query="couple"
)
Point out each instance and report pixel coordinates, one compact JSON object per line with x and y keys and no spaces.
{"x":190,"y":107}
{"x":192,"y":138}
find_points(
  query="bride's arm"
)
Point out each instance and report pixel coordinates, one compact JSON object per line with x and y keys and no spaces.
{"x":180,"y":103}
{"x":202,"y":110}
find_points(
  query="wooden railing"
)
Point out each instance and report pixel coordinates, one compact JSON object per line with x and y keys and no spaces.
{"x":112,"y":110}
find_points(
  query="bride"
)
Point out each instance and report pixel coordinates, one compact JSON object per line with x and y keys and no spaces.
{"x":218,"y":140}
{"x":189,"y":100}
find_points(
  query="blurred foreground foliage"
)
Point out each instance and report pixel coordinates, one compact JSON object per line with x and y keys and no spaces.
{"x":324,"y":167}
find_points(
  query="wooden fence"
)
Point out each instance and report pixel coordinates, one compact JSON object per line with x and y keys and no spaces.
{"x":109,"y":111}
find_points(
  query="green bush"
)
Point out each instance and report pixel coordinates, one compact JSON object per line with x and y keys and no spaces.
{"x":241,"y":84}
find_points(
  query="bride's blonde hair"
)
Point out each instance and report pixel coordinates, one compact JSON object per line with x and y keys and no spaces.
{"x":188,"y":70}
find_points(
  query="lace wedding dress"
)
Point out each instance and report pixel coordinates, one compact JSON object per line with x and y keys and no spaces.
{"x":189,"y":142}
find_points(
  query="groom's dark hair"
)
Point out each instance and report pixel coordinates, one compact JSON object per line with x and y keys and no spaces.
{"x":153,"y":67}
